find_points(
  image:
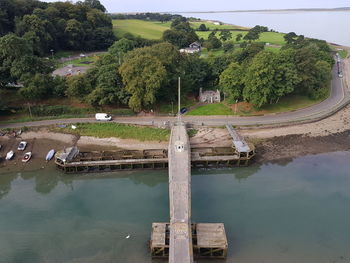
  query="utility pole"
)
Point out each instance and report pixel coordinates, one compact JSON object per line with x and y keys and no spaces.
{"x":179,"y":103}
{"x":30,"y":112}
{"x":236,"y":107}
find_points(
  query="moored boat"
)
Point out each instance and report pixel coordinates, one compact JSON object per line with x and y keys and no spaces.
{"x":50,"y":154}
{"x":9,"y":155}
{"x":26,"y":157}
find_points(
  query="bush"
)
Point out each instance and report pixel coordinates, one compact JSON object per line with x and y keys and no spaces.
{"x":44,"y":110}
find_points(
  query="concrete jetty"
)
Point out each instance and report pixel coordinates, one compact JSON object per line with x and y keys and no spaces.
{"x":179,"y":152}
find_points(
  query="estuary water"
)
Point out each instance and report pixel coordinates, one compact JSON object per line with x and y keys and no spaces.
{"x":277,"y":213}
{"x":330,"y":26}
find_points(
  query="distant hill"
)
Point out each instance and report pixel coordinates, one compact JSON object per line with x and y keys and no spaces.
{"x":273,"y":10}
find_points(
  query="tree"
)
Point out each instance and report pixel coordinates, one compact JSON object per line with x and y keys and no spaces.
{"x":286,"y":76}
{"x":78,"y":87}
{"x":143,"y":77}
{"x":202,"y":27}
{"x":239,"y":37}
{"x":251,"y":36}
{"x":232,"y":81}
{"x":259,"y":79}
{"x":75,"y":34}
{"x":228,"y":46}
{"x":94,"y":4}
{"x":195,"y":73}
{"x":35,"y":30}
{"x":109,"y":87}
{"x":225,"y":35}
{"x":181,"y":34}
{"x":16,"y":59}
{"x":213,"y":42}
{"x":323,"y":77}
{"x":36,"y":87}
{"x":171,"y":60}
{"x":290,"y":38}
{"x":121,"y":47}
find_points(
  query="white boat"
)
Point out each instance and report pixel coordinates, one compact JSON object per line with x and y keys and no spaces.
{"x":22,"y":145}
{"x":9,"y":155}
{"x":50,"y":154}
{"x":26,"y":157}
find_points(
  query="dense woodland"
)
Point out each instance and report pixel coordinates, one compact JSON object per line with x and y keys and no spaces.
{"x":141,"y":73}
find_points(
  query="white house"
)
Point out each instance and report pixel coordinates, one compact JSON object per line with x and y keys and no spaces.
{"x":195,"y":47}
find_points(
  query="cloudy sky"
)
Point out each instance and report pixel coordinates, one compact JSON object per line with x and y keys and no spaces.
{"x":216,"y":5}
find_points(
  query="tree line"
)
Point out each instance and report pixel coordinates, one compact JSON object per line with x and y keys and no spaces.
{"x":58,"y":25}
{"x":147,"y":16}
{"x":141,"y":73}
{"x":262,"y":77}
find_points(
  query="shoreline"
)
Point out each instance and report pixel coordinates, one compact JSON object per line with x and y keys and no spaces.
{"x":272,"y":145}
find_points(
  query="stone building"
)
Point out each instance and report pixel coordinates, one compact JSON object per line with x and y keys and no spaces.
{"x":209,"y":96}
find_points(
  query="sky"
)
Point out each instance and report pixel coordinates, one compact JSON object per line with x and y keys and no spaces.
{"x":116,"y":6}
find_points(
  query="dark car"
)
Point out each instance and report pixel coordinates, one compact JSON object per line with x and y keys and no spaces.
{"x":183,"y":110}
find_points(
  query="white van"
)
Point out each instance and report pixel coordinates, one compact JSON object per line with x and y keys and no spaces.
{"x":103,"y":117}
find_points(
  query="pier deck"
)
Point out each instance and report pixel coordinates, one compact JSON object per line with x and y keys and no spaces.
{"x":180,"y":243}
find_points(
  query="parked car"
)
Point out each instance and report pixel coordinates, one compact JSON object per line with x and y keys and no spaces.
{"x":183,"y":110}
{"x":103,"y":117}
{"x":22,"y":145}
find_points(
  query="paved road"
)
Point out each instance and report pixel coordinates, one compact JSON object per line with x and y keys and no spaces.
{"x":340,"y":96}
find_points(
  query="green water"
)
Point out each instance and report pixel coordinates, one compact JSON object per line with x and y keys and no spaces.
{"x":295,"y":212}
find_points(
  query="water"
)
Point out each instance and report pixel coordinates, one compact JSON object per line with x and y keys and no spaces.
{"x":295,"y":212}
{"x":330,"y":26}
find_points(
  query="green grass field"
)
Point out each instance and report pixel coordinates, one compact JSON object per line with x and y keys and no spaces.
{"x":272,"y":48}
{"x":268,"y":37}
{"x":154,"y":30}
{"x":343,"y":53}
{"x":290,"y":103}
{"x":211,"y":26}
{"x":211,"y":109}
{"x":145,"y":29}
{"x":123,"y":131}
{"x":89,"y":61}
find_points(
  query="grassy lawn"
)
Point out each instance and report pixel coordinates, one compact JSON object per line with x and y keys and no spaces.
{"x":123,"y":131}
{"x":272,"y":48}
{"x":214,"y":52}
{"x":155,"y":29}
{"x":343,"y":53}
{"x":211,"y":109}
{"x":145,"y":29}
{"x":211,"y":26}
{"x":88,"y":61}
{"x":268,"y":37}
{"x":290,"y":103}
{"x":285,"y":104}
{"x":65,"y":54}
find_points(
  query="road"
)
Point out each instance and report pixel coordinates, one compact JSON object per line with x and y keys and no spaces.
{"x":339,"y":97}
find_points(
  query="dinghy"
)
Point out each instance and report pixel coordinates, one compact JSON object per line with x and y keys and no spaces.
{"x":26,"y":157}
{"x":9,"y":155}
{"x":50,"y":154}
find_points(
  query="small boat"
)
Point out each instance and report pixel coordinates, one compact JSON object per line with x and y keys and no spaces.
{"x":9,"y":155}
{"x":50,"y":154}
{"x":26,"y":157}
{"x":22,"y":146}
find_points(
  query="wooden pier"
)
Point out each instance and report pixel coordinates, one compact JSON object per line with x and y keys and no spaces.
{"x":208,"y":240}
{"x":107,"y":161}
